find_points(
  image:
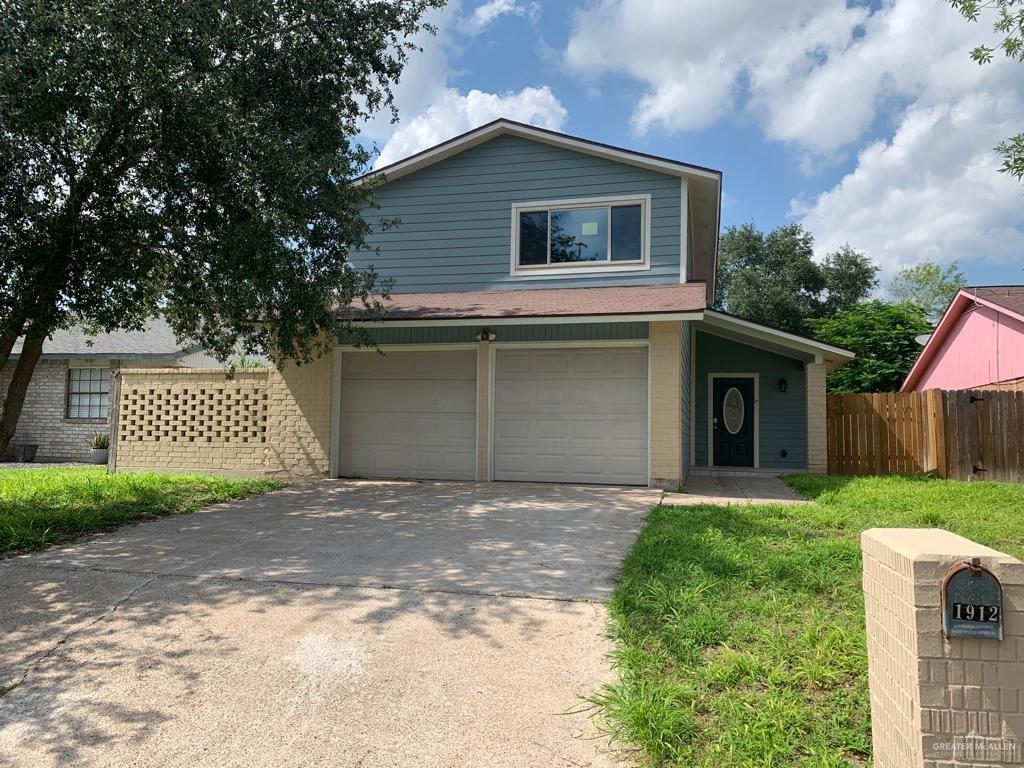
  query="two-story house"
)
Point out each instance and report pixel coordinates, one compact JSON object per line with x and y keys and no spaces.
{"x":549,"y":321}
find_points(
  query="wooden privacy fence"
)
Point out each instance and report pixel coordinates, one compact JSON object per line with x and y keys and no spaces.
{"x":964,"y":435}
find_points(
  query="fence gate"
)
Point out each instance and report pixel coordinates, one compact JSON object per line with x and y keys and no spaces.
{"x":968,"y":434}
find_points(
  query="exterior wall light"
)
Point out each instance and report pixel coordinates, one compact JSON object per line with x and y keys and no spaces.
{"x":783,"y":385}
{"x":486,"y":334}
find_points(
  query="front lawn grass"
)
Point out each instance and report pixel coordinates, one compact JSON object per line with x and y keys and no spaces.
{"x":739,"y":630}
{"x":42,"y":507}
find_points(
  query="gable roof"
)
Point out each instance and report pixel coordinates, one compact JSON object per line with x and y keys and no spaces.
{"x":704,"y":185}
{"x":1008,"y":299}
{"x":503,"y":126}
{"x":154,"y":341}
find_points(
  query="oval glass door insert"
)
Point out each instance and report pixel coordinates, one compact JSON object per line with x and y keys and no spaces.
{"x":733,"y":410}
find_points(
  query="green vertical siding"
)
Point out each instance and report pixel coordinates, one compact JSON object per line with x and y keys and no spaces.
{"x":454,"y":231}
{"x":783,"y":422}
{"x":520,"y":333}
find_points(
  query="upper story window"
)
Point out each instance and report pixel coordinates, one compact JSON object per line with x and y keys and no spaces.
{"x":570,"y":236}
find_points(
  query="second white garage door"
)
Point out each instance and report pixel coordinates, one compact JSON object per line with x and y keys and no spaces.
{"x":408,"y":415}
{"x":571,"y":415}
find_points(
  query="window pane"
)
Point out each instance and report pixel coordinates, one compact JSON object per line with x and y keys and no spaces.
{"x":533,"y":238}
{"x":579,"y":235}
{"x":626,"y":233}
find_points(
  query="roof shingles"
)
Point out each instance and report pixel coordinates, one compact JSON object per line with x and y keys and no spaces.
{"x":547,"y":302}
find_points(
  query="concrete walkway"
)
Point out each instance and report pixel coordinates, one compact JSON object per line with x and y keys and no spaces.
{"x":345,"y":624}
{"x":721,"y":490}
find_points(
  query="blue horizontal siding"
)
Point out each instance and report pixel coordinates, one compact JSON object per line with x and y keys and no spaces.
{"x":783,"y":422}
{"x":519,"y":333}
{"x":455,"y":217}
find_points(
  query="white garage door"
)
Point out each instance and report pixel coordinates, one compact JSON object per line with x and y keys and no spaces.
{"x":408,"y":414}
{"x":571,"y":415}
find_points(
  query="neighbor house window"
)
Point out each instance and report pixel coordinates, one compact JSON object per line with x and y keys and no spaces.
{"x":88,"y":393}
{"x":570,"y":235}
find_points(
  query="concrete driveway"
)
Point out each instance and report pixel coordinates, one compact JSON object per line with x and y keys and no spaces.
{"x":342,"y":624}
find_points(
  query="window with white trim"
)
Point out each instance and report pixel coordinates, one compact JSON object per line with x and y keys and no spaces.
{"x":580,"y":234}
{"x":88,"y":393}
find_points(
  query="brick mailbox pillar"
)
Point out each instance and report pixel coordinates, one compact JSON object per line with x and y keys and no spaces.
{"x":939,"y":702}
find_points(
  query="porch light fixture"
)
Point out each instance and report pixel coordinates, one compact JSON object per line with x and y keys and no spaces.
{"x":783,"y":385}
{"x":486,"y":334}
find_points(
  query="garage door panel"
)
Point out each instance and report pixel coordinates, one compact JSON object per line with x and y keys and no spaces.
{"x":409,"y":414}
{"x":571,"y":415}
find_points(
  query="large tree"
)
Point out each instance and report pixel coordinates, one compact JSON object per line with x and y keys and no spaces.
{"x":773,"y":278}
{"x":928,"y":286}
{"x":1009,"y":24}
{"x":193,"y":158}
{"x":884,"y":338}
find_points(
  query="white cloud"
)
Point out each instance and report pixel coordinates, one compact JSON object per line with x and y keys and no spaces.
{"x":931,"y":192}
{"x":486,"y":13}
{"x":821,"y":76}
{"x":455,"y":113}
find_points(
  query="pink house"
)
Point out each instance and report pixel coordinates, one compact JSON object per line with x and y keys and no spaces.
{"x":978,"y":343}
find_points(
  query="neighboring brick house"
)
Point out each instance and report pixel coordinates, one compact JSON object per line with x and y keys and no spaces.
{"x":978,"y":343}
{"x":69,"y":396}
{"x":549,"y":321}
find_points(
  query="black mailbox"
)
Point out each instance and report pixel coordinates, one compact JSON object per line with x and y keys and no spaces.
{"x":972,"y":602}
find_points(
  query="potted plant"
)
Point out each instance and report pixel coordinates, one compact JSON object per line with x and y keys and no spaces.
{"x":100,"y":445}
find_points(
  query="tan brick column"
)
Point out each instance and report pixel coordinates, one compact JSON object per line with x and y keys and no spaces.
{"x":483,"y":410}
{"x":666,"y":404}
{"x":299,"y":420}
{"x":817,"y":442}
{"x":938,"y":703}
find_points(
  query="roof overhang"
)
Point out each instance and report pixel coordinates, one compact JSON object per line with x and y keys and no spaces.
{"x":482,"y":320}
{"x":503,"y":126}
{"x":775,"y":340}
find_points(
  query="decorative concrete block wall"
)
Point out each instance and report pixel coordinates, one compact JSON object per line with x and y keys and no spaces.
{"x":937,"y":702}
{"x":186,"y":419}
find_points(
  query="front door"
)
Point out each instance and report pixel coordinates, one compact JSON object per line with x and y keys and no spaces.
{"x":732,"y":422}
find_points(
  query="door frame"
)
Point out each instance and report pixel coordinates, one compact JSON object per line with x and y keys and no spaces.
{"x":757,"y":414}
{"x":337,"y":356}
{"x":591,"y":344}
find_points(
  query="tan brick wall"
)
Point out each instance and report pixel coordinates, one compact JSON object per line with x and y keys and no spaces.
{"x":43,"y":420}
{"x":299,"y":420}
{"x":185,"y":419}
{"x":666,"y":403}
{"x":483,"y":406}
{"x":817,"y":441}
{"x":938,"y":703}
{"x":1010,"y":385}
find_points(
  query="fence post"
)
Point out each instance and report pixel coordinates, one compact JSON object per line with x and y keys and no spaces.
{"x":936,"y":434}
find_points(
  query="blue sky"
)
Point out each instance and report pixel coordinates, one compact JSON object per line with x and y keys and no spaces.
{"x":867,"y":123}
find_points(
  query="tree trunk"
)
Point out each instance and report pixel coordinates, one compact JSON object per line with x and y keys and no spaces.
{"x":30,"y":352}
{"x":6,"y":345}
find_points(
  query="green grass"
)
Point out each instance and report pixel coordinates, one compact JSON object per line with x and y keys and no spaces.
{"x":739,"y":630}
{"x":42,"y":507}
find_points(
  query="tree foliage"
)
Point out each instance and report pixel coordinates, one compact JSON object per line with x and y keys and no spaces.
{"x":882,"y":336}
{"x":928,"y":286}
{"x":774,"y":279}
{"x":192,"y":158}
{"x":1009,"y":24}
